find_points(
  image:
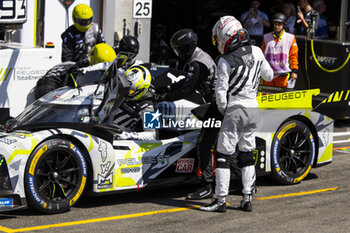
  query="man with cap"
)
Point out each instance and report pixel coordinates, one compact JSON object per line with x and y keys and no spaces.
{"x":281,"y":51}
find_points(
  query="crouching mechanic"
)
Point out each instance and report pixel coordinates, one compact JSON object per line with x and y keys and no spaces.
{"x":202,"y":76}
{"x":128,"y":116}
{"x":239,"y":71}
{"x":64,"y":73}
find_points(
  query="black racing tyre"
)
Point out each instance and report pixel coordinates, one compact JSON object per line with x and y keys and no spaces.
{"x":292,"y":152}
{"x":55,"y":176}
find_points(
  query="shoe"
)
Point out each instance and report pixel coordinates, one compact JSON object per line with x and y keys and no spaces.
{"x":215,"y":206}
{"x":203,"y":193}
{"x":246,"y":203}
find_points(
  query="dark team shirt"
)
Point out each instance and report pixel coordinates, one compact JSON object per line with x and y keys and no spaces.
{"x":76,"y":44}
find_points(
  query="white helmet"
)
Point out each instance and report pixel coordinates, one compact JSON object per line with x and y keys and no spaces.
{"x":140,"y":79}
{"x":224,"y":32}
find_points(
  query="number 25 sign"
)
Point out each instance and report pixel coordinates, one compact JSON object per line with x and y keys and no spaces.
{"x":142,"y":9}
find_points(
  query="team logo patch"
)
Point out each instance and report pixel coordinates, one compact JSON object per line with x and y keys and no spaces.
{"x":248,"y":60}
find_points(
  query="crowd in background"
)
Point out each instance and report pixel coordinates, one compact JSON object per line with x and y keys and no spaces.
{"x":254,"y":15}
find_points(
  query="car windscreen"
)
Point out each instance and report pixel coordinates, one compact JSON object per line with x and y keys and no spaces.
{"x":41,"y":112}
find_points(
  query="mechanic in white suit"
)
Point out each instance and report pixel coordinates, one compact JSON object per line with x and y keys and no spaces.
{"x":239,"y":70}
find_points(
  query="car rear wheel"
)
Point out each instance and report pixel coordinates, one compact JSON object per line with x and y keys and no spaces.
{"x":55,"y":176}
{"x":293,"y":152}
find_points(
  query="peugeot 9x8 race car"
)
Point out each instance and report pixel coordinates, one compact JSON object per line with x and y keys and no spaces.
{"x":60,"y":147}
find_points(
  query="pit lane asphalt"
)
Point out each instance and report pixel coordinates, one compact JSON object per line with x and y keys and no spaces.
{"x":320,"y":203}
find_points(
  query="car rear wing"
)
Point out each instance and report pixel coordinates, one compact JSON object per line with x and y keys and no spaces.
{"x":336,"y":105}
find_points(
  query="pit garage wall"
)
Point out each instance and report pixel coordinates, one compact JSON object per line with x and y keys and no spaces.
{"x":128,"y":17}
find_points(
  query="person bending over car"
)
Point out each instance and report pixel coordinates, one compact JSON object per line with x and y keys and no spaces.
{"x":129,"y":45}
{"x":64,"y":73}
{"x":239,"y":71}
{"x":202,"y":76}
{"x":128,"y":116}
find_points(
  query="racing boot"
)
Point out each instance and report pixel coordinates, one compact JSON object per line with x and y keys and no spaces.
{"x":215,"y":206}
{"x":246,"y":203}
{"x":205,"y":192}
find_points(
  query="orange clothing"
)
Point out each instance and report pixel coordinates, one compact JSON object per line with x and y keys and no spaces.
{"x":282,"y":55}
{"x":279,"y":81}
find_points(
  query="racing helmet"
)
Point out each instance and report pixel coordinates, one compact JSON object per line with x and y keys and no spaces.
{"x":82,"y":17}
{"x":279,"y":17}
{"x":184,"y":42}
{"x":139,"y":79}
{"x":130,"y":45}
{"x":101,"y":53}
{"x":225,"y":33}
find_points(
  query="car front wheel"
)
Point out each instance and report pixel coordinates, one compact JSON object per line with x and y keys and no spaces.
{"x":55,"y":176}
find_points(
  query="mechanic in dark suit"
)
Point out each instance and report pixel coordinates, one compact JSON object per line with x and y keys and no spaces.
{"x":79,"y":38}
{"x":202,"y":76}
{"x":64,"y":73}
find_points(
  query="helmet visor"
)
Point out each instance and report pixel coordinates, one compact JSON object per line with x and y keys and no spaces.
{"x":83,"y":22}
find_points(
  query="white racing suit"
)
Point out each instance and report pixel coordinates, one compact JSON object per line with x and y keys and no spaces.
{"x":239,"y":73}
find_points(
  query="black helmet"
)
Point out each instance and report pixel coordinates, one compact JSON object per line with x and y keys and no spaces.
{"x":130,"y":45}
{"x":183,"y":43}
{"x":279,"y":17}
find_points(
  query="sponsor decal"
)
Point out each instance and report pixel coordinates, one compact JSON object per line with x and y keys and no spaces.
{"x":184,"y":165}
{"x":28,"y":73}
{"x":6,"y":202}
{"x":7,"y":141}
{"x":102,"y":148}
{"x":81,"y":157}
{"x":36,"y":158}
{"x":324,"y":60}
{"x":34,"y":193}
{"x":105,"y":167}
{"x":283,"y":96}
{"x":130,"y":170}
{"x":144,"y":160}
{"x":282,"y":132}
{"x":104,"y":182}
{"x":156,"y":120}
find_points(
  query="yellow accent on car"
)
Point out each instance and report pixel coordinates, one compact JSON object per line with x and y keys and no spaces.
{"x":296,"y":180}
{"x":80,"y":191}
{"x":7,"y":71}
{"x":36,"y":158}
{"x":307,"y":114}
{"x":23,"y":152}
{"x":337,"y":96}
{"x":123,"y":180}
{"x":118,"y":179}
{"x":91,"y":146}
{"x":326,"y":155}
{"x":288,"y":100}
{"x":287,"y":127}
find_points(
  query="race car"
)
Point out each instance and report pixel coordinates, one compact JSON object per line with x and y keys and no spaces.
{"x":60,"y":147}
